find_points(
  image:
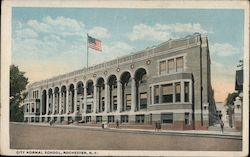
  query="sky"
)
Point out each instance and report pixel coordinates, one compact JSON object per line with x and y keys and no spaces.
{"x":51,"y":41}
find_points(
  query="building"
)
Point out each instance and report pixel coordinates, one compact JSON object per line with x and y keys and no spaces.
{"x":237,"y":115}
{"x":169,"y":83}
{"x":222,"y":111}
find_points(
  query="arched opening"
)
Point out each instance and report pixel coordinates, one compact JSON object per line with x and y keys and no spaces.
{"x":50,"y":101}
{"x":126,"y":91}
{"x":44,"y":105}
{"x":56,"y":92}
{"x":90,"y":92}
{"x":71,"y":98}
{"x":141,"y":89}
{"x":112,"y":82}
{"x":100,"y":90}
{"x":80,"y":95}
{"x":63,"y":100}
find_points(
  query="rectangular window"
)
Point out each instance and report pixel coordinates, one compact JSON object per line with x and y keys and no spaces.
{"x":143,"y":100}
{"x":186,"y":90}
{"x":139,"y":118}
{"x":98,"y":119}
{"x":111,"y":119}
{"x":186,"y":118}
{"x":179,"y":64}
{"x":162,"y":67}
{"x":171,"y":67}
{"x":156,"y":94}
{"x":88,"y":119}
{"x":128,"y":101}
{"x":32,"y":107}
{"x":89,"y":110}
{"x":124,"y":119}
{"x":177,"y":92}
{"x":167,"y":93}
{"x":167,"y":118}
{"x":115,"y":103}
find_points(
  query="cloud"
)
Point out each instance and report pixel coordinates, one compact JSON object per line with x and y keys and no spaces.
{"x":182,"y":27}
{"x":110,"y":51}
{"x":25,"y":33}
{"x":99,"y":32}
{"x":60,"y":25}
{"x":38,"y":26}
{"x":162,"y":32}
{"x":52,"y":46}
{"x":50,"y":37}
{"x":143,"y":31}
{"x":223,"y":49}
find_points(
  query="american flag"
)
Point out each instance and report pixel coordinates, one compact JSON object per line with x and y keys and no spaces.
{"x":94,"y":43}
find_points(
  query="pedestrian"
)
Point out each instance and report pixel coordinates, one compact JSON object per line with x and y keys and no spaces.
{"x":117,"y":124}
{"x":221,"y":126}
{"x":156,"y":126}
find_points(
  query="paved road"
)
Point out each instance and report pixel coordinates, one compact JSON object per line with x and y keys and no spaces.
{"x":70,"y":138}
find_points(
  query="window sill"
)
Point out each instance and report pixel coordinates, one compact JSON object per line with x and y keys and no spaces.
{"x":176,"y":103}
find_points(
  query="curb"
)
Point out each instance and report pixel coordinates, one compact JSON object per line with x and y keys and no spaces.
{"x":149,"y":132}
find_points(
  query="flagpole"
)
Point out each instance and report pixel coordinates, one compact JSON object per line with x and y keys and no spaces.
{"x":87,"y":50}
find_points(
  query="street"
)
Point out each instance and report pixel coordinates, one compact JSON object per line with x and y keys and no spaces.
{"x":70,"y":138}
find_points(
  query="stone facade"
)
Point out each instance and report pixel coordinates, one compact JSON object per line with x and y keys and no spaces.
{"x":169,"y":83}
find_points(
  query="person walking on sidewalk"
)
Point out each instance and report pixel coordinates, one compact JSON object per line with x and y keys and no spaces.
{"x":117,"y":124}
{"x":221,"y":126}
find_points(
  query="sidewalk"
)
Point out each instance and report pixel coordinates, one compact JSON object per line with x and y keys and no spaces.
{"x":196,"y":133}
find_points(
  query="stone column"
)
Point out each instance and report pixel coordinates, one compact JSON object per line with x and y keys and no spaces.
{"x":75,"y":101}
{"x":119,"y":97}
{"x":97,"y":99}
{"x":133,"y":95}
{"x":94,"y":99}
{"x":47,"y":104}
{"x":34,"y":105}
{"x":67,"y":101}
{"x":106,"y":108}
{"x":152,"y":95}
{"x":41,"y":103}
{"x":182,"y":92}
{"x":59,"y":106}
{"x":53,"y":103}
{"x":190,"y":91}
{"x":29,"y":118}
{"x":174,"y":91}
{"x":160,"y":94}
{"x":85,"y":99}
{"x":60,"y":103}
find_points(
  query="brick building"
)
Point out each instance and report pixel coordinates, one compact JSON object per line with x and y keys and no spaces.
{"x":169,"y":83}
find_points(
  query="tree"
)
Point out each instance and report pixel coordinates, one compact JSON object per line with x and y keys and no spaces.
{"x":18,"y":84}
{"x":231,"y":98}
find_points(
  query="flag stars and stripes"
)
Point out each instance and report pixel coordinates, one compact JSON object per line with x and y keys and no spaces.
{"x":94,"y":43}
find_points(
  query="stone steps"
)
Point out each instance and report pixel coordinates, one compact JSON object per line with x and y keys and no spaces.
{"x":217,"y":128}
